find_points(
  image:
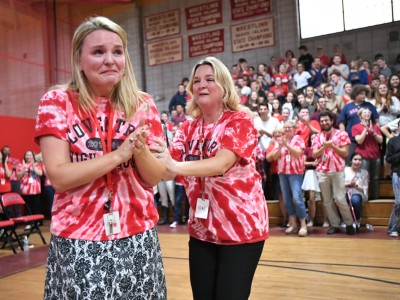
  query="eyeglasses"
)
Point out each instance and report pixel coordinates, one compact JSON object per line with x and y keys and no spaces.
{"x":287,"y":128}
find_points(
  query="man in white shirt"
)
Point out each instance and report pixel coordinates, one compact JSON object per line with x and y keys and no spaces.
{"x":265,"y":125}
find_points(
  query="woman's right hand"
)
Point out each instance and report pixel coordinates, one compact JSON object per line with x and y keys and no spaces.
{"x":135,"y":143}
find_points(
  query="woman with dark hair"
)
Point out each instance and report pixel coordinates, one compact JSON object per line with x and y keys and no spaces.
{"x":394,"y":85}
{"x":301,"y":79}
{"x":356,"y":183}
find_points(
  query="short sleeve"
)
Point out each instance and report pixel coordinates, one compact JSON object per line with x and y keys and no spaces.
{"x":52,"y":117}
{"x":240,"y":136}
{"x":344,"y":138}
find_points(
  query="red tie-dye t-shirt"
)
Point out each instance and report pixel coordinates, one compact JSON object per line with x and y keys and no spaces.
{"x":330,"y":161}
{"x":78,"y":213}
{"x":30,"y":181}
{"x":238,"y":210}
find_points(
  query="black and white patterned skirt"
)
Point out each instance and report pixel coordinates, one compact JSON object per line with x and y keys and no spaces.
{"x":129,"y":268}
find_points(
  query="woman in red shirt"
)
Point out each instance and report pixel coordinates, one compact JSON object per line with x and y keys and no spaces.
{"x":94,"y":133}
{"x":29,"y":174}
{"x":368,"y":137}
{"x":5,"y":174}
{"x":228,"y":221}
{"x":289,"y":153}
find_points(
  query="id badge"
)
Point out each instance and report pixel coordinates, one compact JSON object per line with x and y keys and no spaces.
{"x":287,"y":158}
{"x":112,"y":224}
{"x":202,"y":208}
{"x":3,"y":181}
{"x":30,"y":180}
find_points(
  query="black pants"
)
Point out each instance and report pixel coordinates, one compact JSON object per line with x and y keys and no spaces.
{"x":220,"y":272}
{"x":33,"y":202}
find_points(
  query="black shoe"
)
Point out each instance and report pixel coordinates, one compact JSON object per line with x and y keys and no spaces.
{"x":333,"y":230}
{"x":350,"y":229}
{"x":163,"y":221}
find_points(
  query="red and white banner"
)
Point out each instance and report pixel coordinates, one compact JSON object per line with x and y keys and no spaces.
{"x":165,"y":51}
{"x":242,"y":9}
{"x":252,"y":35}
{"x":204,"y":15}
{"x":162,"y":25}
{"x":206,"y":43}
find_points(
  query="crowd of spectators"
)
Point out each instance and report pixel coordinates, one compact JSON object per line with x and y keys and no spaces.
{"x":361,"y":95}
{"x":27,"y":177}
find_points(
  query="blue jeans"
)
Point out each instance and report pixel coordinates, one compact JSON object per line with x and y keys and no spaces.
{"x":394,"y":221}
{"x":292,"y":194}
{"x":180,"y":195}
{"x":356,"y":202}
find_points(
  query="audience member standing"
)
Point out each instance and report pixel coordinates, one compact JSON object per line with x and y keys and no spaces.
{"x":276,"y":187}
{"x":305,"y":58}
{"x":178,"y":98}
{"x":29,"y":174}
{"x":302,"y":78}
{"x":393,"y":158}
{"x":383,"y":67}
{"x":368,"y":137}
{"x":305,"y":127}
{"x":331,"y":146}
{"x":5,"y":174}
{"x":340,"y":67}
{"x":5,"y":185}
{"x":265,"y":125}
{"x":323,"y":57}
{"x":288,"y":151}
{"x":180,"y":115}
{"x":15,"y":162}
{"x":349,"y":115}
{"x":310,"y":183}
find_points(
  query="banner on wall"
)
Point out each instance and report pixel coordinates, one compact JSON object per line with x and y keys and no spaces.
{"x":165,"y":51}
{"x":204,"y":15}
{"x":252,"y":35}
{"x":242,"y":9}
{"x":206,"y":43}
{"x":162,"y":25}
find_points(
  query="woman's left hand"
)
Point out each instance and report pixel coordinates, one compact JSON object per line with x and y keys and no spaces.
{"x":160,"y":151}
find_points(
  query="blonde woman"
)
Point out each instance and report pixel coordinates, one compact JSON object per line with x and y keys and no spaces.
{"x":228,"y":220}
{"x":104,"y":242}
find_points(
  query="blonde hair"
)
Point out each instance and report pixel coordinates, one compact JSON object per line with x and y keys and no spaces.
{"x":361,"y":110}
{"x":126,"y":95}
{"x":292,"y":123}
{"x":223,"y":79}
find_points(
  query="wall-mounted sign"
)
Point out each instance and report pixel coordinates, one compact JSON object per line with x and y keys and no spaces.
{"x":204,"y":15}
{"x":206,"y":43}
{"x":242,"y":9}
{"x":162,"y":25}
{"x":165,"y":51}
{"x":252,"y":35}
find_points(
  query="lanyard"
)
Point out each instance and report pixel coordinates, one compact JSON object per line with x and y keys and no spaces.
{"x":107,"y":148}
{"x":202,"y":141}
